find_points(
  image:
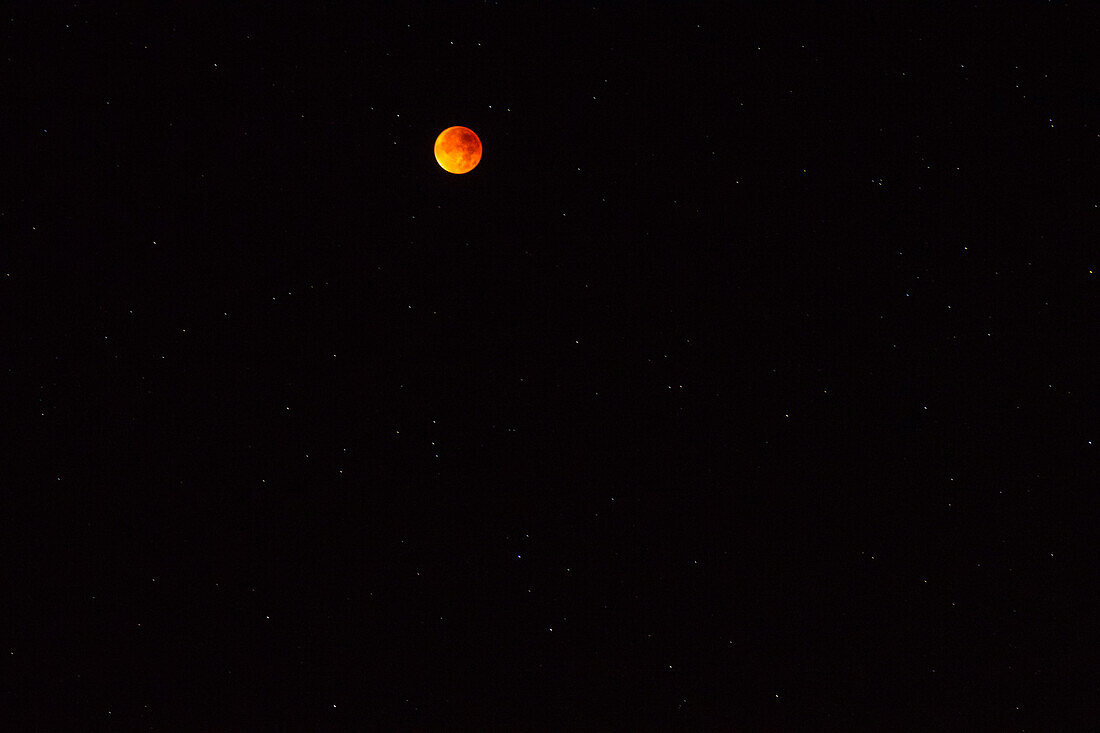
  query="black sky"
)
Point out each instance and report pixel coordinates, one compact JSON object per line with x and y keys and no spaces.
{"x":742,"y":386}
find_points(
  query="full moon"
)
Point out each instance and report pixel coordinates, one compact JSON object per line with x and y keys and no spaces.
{"x":458,"y":150}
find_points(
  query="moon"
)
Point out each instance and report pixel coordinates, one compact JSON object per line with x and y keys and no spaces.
{"x":458,"y":149}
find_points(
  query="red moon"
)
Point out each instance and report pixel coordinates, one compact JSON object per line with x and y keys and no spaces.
{"x":458,"y":150}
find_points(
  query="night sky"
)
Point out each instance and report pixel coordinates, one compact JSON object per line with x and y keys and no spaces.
{"x":742,"y":386}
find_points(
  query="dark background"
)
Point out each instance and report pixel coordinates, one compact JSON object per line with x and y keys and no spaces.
{"x":741,"y":386}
